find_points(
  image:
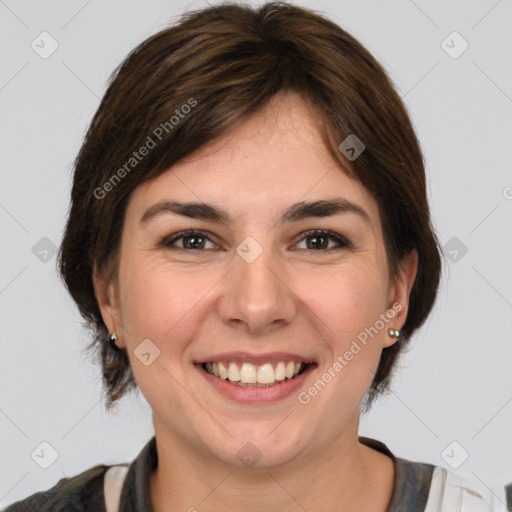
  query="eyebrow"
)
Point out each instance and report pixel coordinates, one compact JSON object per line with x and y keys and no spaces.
{"x":295,"y":213}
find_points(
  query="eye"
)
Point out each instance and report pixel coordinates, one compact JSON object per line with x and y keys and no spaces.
{"x":194,"y":240}
{"x":191,"y":240}
{"x":320,"y":240}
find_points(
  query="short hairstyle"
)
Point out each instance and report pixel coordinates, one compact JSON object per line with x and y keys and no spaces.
{"x":186,"y":85}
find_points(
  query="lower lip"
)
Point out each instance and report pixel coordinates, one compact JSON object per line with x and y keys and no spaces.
{"x":248,"y":394}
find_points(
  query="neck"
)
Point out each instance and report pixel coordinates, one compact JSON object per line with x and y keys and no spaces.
{"x":345,"y":476}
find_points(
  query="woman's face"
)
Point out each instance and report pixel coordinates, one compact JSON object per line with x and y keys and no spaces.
{"x":256,"y":293}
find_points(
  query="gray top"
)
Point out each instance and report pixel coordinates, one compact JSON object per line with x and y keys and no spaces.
{"x":84,"y":492}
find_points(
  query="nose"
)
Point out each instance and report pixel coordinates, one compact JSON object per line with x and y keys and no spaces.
{"x":258,"y":296}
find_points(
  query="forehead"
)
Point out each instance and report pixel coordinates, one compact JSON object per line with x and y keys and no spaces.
{"x":268,"y":161}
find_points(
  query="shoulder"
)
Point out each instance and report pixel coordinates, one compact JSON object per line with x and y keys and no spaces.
{"x":79,"y":493}
{"x":429,"y":488}
{"x":86,"y":492}
{"x":449,"y":491}
{"x":424,"y":487}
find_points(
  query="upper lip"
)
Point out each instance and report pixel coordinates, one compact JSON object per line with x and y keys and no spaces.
{"x":257,"y":359}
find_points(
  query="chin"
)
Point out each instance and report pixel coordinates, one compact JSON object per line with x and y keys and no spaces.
{"x":260,"y":448}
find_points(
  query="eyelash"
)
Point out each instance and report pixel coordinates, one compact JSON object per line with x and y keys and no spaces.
{"x":168,"y":241}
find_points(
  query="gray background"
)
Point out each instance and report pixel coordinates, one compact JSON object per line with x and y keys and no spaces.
{"x":456,"y":381}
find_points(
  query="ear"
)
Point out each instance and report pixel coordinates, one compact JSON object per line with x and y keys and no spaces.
{"x":107,"y":296}
{"x":399,"y":292}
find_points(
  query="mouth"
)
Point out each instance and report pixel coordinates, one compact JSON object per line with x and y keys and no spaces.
{"x":249,"y":378}
{"x":264,"y":375}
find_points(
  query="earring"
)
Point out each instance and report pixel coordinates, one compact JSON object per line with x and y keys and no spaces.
{"x":112,"y":339}
{"x":394,"y":332}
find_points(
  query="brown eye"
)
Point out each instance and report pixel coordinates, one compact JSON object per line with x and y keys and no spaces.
{"x":318,"y":240}
{"x":190,"y":240}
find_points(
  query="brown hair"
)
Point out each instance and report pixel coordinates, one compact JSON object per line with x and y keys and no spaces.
{"x":186,"y":85}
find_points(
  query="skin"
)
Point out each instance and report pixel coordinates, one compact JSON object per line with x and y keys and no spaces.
{"x":292,"y":298}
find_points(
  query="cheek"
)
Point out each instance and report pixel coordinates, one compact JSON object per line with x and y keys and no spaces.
{"x":159,"y":305}
{"x":348,"y":301}
{"x":162,"y":303}
{"x":351,"y":310}
{"x":345,"y":304}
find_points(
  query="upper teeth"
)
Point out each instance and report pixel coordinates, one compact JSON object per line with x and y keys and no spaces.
{"x":254,"y":374}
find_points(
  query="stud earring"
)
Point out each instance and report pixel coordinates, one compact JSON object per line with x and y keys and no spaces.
{"x":394,"y":333}
{"x":112,"y":339}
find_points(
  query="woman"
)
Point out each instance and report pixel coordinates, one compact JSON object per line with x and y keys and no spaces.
{"x":249,"y":236}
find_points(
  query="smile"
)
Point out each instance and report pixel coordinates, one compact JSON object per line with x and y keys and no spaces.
{"x":251,"y":378}
{"x":252,"y":375}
